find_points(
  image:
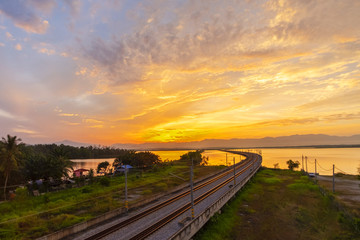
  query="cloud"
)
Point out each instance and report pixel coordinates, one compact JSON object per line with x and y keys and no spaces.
{"x":74,"y":6}
{"x":68,"y":114}
{"x":18,"y":47}
{"x":351,"y":98}
{"x":186,"y":70}
{"x":43,"y":5}
{"x":9,"y":36}
{"x":217,"y":37}
{"x":46,"y":51}
{"x":6,"y":114}
{"x":23,"y":130}
{"x":24,"y":15}
{"x":309,"y":120}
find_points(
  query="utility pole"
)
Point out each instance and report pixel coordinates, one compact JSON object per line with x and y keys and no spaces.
{"x":333,"y":178}
{"x":234,"y":173}
{"x":126,"y":192}
{"x":306,"y":164}
{"x":226,"y":159}
{"x":302,"y":166}
{"x":191,"y":188}
{"x":315,"y":171}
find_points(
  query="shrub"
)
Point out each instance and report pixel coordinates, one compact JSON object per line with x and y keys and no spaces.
{"x":266,"y":172}
{"x":271,"y":180}
{"x":46,"y":199}
{"x":21,"y":194}
{"x":160,"y":187}
{"x":105,"y":181}
{"x":86,"y":190}
{"x":302,"y":188}
{"x":147,"y":192}
{"x":38,"y":231}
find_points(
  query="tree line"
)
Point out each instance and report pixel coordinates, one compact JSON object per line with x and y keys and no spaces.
{"x":20,"y":162}
{"x":77,"y":152}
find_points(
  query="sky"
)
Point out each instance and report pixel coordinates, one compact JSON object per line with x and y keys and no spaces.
{"x":134,"y":71}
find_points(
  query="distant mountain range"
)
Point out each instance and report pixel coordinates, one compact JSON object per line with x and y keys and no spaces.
{"x":74,"y":144}
{"x":285,"y":141}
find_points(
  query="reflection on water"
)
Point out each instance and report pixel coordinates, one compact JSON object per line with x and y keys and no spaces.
{"x":170,"y":155}
{"x":345,"y":159}
{"x":90,"y":163}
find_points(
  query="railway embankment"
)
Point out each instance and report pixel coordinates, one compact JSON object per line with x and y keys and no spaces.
{"x":282,"y":204}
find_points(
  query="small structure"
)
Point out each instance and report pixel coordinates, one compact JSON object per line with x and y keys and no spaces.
{"x":121,"y":168}
{"x":79,"y":172}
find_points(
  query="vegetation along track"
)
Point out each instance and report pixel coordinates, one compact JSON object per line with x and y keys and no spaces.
{"x":147,"y":232}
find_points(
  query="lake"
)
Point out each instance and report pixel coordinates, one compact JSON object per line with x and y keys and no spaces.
{"x":345,"y":159}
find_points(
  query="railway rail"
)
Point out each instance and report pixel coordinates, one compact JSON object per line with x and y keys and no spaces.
{"x":243,"y":166}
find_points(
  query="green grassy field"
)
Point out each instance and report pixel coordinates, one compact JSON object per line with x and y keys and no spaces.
{"x":30,"y":217}
{"x":280,"y":204}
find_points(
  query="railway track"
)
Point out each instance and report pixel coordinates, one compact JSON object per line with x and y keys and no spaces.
{"x":245,"y":164}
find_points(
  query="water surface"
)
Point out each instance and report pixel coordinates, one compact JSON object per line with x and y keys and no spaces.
{"x":345,"y":159}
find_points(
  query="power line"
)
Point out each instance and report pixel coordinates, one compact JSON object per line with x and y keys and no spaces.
{"x":327,"y":170}
{"x":311,"y":162}
{"x":340,"y":170}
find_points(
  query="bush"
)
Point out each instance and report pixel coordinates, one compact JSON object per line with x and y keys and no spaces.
{"x":147,"y":192}
{"x":46,"y":199}
{"x":159,"y":187}
{"x":266,"y":172}
{"x":302,"y":188}
{"x":38,"y":231}
{"x":105,"y":181}
{"x":86,"y":190}
{"x":21,"y":194}
{"x":271,"y":180}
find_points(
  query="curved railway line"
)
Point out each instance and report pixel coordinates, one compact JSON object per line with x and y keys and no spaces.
{"x":243,"y":166}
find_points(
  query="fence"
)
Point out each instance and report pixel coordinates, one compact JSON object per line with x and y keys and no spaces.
{"x":348,"y":216}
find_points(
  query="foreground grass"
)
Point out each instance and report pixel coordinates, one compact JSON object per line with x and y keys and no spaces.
{"x":279,"y":204}
{"x":31,"y":217}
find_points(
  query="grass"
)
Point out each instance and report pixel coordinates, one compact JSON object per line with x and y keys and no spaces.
{"x":279,"y":204}
{"x":30,"y":217}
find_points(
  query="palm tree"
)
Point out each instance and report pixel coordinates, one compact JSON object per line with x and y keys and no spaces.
{"x":9,"y":157}
{"x":61,"y":164}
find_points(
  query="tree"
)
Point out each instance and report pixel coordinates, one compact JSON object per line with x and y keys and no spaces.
{"x":145,"y":159}
{"x":291,"y":164}
{"x":9,"y":157}
{"x":136,"y":159}
{"x":61,"y":165}
{"x":125,"y":157}
{"x":102,"y":167}
{"x":196,"y":157}
{"x":36,"y":166}
{"x":41,"y":166}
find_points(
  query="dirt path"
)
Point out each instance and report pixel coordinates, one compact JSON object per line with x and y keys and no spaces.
{"x":347,"y":189}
